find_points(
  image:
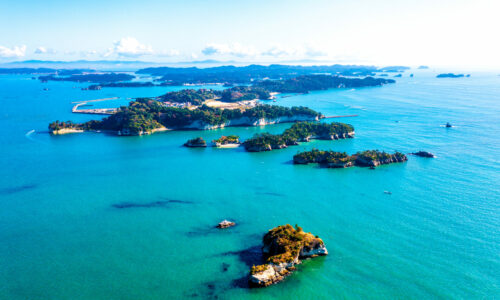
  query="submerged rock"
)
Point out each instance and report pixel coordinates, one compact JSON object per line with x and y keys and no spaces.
{"x":284,"y":247}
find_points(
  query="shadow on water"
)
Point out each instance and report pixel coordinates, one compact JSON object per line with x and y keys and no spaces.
{"x":17,"y":189}
{"x":270,"y":194}
{"x":161,"y":203}
{"x":250,"y":256}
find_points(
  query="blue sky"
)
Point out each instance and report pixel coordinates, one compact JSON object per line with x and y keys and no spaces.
{"x":437,"y":32}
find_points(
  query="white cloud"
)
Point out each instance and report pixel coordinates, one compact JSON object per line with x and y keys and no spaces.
{"x":235,"y":49}
{"x":280,"y":51}
{"x":16,"y":51}
{"x":88,"y":53}
{"x":275,"y":51}
{"x":315,"y":52}
{"x":129,"y":47}
{"x":168,"y":53}
{"x":302,"y":52}
{"x":43,"y":50}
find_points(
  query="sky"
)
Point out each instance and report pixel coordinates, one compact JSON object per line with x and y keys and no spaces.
{"x":462,"y":33}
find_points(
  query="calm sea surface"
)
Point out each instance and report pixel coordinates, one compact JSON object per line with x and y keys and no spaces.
{"x":436,"y":236}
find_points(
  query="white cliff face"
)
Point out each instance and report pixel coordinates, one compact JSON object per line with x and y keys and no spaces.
{"x":265,"y":277}
{"x":66,"y":131}
{"x":246,"y":121}
{"x":313,"y":252}
{"x":275,"y":273}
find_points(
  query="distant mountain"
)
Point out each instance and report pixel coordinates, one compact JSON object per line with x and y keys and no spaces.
{"x":115,"y":65}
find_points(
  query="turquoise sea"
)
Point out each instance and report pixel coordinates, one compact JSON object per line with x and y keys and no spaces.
{"x":436,"y":236}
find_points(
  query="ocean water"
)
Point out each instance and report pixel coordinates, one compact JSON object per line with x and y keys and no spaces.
{"x":437,"y":236}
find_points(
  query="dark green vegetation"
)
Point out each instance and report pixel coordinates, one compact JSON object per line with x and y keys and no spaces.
{"x":245,"y":75}
{"x":108,"y":77}
{"x":144,"y":115}
{"x":196,"y":142}
{"x":299,"y":132}
{"x":285,"y":242}
{"x":306,"y":83}
{"x":371,"y":156}
{"x":331,"y":159}
{"x":450,"y":75}
{"x":195,"y":97}
{"x":327,"y":158}
{"x":241,"y":93}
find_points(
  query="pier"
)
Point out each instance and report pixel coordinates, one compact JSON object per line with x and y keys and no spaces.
{"x":95,"y":111}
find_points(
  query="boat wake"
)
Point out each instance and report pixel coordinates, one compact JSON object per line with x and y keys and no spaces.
{"x":29,"y":134}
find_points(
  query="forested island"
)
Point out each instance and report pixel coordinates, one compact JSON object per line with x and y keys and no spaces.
{"x":394,"y":69}
{"x":307,"y":83}
{"x":121,"y":84}
{"x":248,"y":74}
{"x":450,"y":75}
{"x":299,"y":132}
{"x":209,"y":109}
{"x":106,"y":77}
{"x":229,"y":141}
{"x":198,"y":142}
{"x":283,"y":248}
{"x":257,"y":89}
{"x":144,"y":116}
{"x":332,"y":159}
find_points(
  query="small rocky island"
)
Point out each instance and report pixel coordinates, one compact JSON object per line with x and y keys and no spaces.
{"x":225,"y":224}
{"x":57,"y":127}
{"x":332,"y":159}
{"x":423,"y":154}
{"x":299,"y":132}
{"x":230,"y":141}
{"x":198,"y":142}
{"x":284,"y":247}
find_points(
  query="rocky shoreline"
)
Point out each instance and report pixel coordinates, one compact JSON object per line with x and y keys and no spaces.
{"x":198,"y":125}
{"x":331,"y":159}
